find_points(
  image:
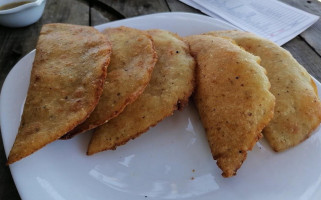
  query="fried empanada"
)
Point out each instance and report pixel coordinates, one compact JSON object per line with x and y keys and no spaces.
{"x":132,"y":61}
{"x":171,"y":85}
{"x":65,"y":85}
{"x":297,"y":108}
{"x":232,"y":97}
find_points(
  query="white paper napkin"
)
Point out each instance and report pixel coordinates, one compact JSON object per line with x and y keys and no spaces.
{"x":271,"y":19}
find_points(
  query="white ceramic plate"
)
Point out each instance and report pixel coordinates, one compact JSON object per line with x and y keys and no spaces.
{"x":170,"y":161}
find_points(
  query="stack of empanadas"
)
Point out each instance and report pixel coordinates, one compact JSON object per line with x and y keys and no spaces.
{"x":244,"y":85}
{"x":171,"y":85}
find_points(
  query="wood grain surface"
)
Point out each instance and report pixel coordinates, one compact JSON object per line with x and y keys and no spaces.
{"x":16,"y":43}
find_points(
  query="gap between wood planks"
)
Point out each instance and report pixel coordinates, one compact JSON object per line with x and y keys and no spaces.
{"x":313,"y":49}
{"x":109,"y":9}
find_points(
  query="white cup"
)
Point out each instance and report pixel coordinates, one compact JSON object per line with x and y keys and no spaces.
{"x":22,"y":15}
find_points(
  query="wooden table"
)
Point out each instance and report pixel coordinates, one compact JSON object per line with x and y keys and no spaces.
{"x":16,"y":43}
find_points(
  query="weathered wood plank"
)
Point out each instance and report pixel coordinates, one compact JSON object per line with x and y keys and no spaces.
{"x":97,"y":17}
{"x":311,"y":6}
{"x":311,"y":35}
{"x":137,"y":7}
{"x":66,"y":11}
{"x":15,"y":43}
{"x":102,"y":13}
{"x":305,"y":55}
{"x":177,"y":6}
{"x":8,"y":189}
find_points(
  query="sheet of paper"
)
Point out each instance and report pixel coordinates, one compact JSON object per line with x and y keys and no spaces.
{"x":268,"y":18}
{"x":204,"y":10}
